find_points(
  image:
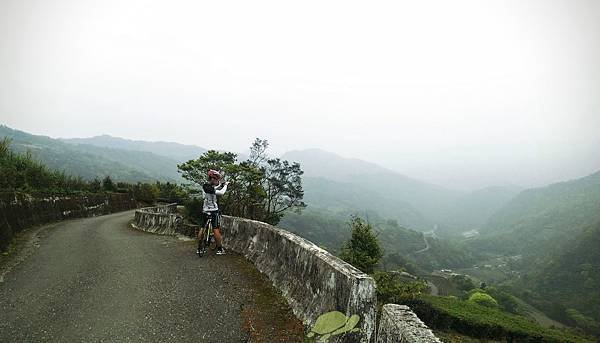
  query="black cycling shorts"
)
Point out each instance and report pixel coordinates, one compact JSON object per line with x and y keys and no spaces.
{"x":215,"y":218}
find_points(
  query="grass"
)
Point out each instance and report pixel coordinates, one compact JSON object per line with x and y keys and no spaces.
{"x":455,"y":337}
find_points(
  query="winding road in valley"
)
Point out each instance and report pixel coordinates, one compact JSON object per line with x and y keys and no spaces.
{"x":427,"y":246}
{"x":97,"y":280}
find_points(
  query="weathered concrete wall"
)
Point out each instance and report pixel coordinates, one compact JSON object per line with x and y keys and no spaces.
{"x":313,"y":281}
{"x":398,"y":324}
{"x":162,"y":220}
{"x":19,"y":210}
{"x":157,"y":219}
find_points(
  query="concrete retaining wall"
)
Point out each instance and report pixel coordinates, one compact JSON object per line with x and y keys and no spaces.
{"x":399,"y":324}
{"x":163,"y":220}
{"x":19,"y":210}
{"x":312,"y":280}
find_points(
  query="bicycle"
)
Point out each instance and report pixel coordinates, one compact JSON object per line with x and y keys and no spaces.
{"x":208,"y":238}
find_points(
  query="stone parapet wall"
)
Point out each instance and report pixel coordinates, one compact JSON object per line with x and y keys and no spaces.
{"x":312,"y":280}
{"x":399,"y":324}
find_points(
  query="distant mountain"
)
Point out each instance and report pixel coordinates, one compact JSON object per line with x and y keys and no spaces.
{"x":473,"y":209}
{"x":321,"y":163}
{"x":89,"y":161}
{"x":414,"y":203}
{"x":542,"y":216}
{"x":345,"y":199}
{"x":175,"y":151}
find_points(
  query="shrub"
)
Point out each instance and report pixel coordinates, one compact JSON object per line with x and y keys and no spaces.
{"x":193,"y":210}
{"x":483,"y":299}
{"x":463,"y":282}
{"x":362,"y":250}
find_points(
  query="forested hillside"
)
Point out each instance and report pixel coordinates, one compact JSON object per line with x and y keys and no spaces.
{"x":90,"y":161}
{"x":539,"y":218}
{"x":564,"y":281}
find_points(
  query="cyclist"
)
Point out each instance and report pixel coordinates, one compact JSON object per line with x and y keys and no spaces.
{"x":211,"y":189}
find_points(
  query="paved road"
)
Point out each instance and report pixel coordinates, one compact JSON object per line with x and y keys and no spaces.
{"x":97,"y":280}
{"x":426,"y":244}
{"x":433,"y":289}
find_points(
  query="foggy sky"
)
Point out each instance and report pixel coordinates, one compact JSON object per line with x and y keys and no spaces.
{"x":461,"y":93}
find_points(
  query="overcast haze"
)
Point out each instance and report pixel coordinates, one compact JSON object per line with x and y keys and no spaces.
{"x":462,"y":93}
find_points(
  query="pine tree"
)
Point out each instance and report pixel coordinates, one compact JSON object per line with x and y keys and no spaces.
{"x":362,"y":250}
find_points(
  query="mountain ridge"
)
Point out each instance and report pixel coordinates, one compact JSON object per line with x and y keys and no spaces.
{"x":177,"y":151}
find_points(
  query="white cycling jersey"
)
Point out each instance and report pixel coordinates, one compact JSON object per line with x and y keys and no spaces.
{"x":210,"y":196}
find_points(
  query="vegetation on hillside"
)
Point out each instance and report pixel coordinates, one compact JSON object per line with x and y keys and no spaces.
{"x":478,"y":314}
{"x":552,"y":235}
{"x":486,"y":322}
{"x":90,"y":162}
{"x":564,"y":283}
{"x":538,"y":218}
{"x":22,"y":173}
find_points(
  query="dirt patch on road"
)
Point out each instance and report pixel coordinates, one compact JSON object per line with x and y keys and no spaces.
{"x":268,"y":317}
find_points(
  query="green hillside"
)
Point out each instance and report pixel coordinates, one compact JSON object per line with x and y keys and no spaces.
{"x":486,"y":323}
{"x":540,"y":217}
{"x":90,"y":161}
{"x":554,"y":233}
{"x":564,"y":283}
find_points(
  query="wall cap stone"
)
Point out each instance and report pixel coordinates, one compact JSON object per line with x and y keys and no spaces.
{"x":399,"y":324}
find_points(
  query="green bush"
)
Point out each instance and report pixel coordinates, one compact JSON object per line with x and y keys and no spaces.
{"x":483,"y":299}
{"x":193,"y":210}
{"x":506,"y":301}
{"x":146,"y":193}
{"x":463,"y":282}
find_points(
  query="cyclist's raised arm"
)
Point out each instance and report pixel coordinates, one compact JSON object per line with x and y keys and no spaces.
{"x":222,"y":190}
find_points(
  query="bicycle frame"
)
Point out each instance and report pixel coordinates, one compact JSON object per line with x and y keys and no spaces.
{"x":208,"y":234}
